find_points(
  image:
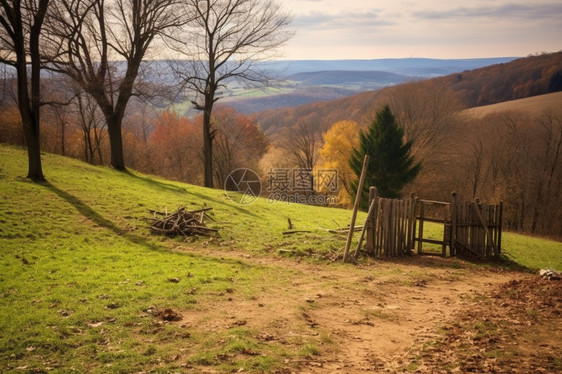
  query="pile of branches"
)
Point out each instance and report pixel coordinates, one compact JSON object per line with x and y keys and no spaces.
{"x":181,"y":222}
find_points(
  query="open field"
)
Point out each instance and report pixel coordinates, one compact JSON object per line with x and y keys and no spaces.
{"x":85,"y":288}
{"x":534,"y":105}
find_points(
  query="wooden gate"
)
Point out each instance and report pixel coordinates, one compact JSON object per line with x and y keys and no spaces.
{"x":475,"y":228}
{"x":469,"y":228}
{"x":390,"y":226}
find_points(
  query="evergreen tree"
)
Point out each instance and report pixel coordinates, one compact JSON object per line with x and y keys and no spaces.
{"x":390,"y":165}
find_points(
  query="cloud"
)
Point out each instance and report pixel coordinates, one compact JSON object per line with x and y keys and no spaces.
{"x":321,"y":20}
{"x":508,"y":11}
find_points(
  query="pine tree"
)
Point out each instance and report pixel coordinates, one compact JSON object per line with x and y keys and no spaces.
{"x":390,"y":165}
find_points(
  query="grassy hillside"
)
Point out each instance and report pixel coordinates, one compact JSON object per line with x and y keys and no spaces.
{"x":80,"y":271}
{"x":81,"y":276}
{"x":535,"y":105}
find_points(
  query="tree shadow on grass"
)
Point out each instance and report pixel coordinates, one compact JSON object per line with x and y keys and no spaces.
{"x":100,"y":220}
{"x":181,"y":190}
{"x":154,"y":183}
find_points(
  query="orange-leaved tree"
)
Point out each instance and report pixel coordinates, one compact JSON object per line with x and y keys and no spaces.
{"x":174,"y":148}
{"x":239,"y":142}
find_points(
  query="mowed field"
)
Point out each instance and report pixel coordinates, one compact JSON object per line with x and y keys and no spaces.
{"x":85,"y":287}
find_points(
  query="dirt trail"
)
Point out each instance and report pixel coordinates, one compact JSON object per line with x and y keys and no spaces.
{"x":378,"y":317}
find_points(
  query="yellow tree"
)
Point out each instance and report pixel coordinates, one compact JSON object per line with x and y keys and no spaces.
{"x":339,"y":142}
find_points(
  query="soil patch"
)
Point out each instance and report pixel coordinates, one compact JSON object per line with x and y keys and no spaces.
{"x":418,"y":314}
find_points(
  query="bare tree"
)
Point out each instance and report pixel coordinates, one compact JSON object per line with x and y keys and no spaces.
{"x":427,"y":112}
{"x":101,"y":44}
{"x":302,"y":144}
{"x":227,"y":38}
{"x":548,"y":171}
{"x":475,"y":166}
{"x":21,"y":26}
{"x":92,"y":125}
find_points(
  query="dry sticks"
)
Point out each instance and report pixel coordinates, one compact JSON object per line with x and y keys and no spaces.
{"x":181,"y":222}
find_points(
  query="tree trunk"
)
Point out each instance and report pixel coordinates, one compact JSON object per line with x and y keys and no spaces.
{"x":35,"y":170}
{"x":63,"y":138}
{"x":116,"y":143}
{"x":30,"y":120}
{"x":208,"y":147}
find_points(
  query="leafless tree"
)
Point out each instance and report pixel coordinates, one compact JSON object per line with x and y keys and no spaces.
{"x":476,"y":167}
{"x":226,"y":40}
{"x":101,"y":44}
{"x":548,"y":170}
{"x":303,"y":144}
{"x":21,"y":24}
{"x":428,"y":114}
{"x":92,"y":125}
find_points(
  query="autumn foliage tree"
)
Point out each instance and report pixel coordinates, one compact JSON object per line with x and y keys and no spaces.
{"x":175,"y":149}
{"x":339,"y":142}
{"x":239,"y":143}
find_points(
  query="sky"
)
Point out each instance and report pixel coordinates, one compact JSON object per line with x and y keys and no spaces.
{"x":371,"y":29}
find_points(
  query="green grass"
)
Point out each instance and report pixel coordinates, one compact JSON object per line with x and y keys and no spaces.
{"x":79,"y":268}
{"x":533,"y":253}
{"x":80,"y":272}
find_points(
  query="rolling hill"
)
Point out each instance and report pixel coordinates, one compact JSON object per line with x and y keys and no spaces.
{"x":317,"y":80}
{"x":521,"y":78}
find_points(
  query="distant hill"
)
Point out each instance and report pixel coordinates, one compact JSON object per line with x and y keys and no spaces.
{"x":249,"y":105}
{"x":404,"y":66}
{"x":525,"y":77}
{"x":375,"y":79}
{"x":309,"y":79}
{"x":311,"y":87}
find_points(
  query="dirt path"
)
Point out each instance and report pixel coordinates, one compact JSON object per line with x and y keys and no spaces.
{"x":379,"y":317}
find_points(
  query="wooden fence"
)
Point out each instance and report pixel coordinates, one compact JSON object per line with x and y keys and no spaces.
{"x":390,"y":226}
{"x":394,"y":227}
{"x":475,"y":228}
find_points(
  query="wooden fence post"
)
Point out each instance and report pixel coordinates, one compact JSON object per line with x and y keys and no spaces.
{"x":420,"y":234}
{"x":372,"y":208}
{"x":414,"y":223}
{"x":356,"y":207}
{"x":453,"y":236}
{"x":369,"y":244}
{"x":500,"y":228}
